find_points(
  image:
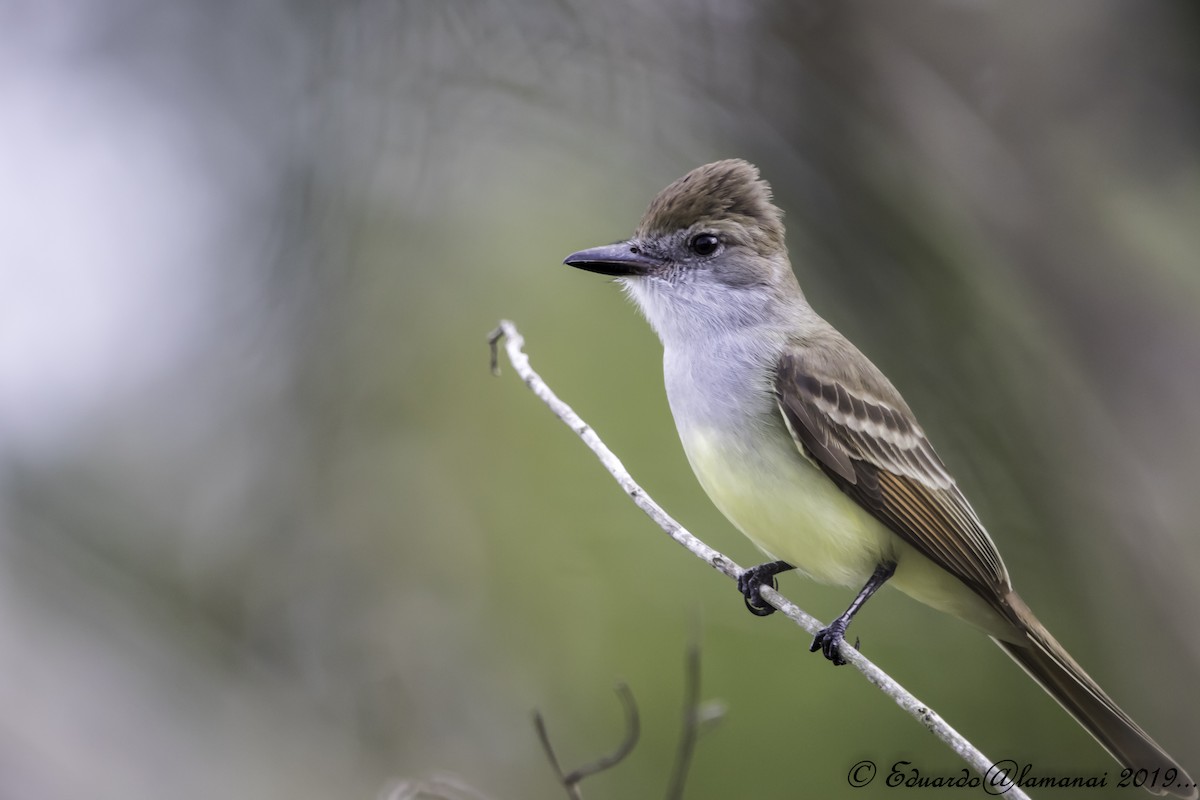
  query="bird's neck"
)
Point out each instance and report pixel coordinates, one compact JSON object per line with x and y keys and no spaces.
{"x":699,"y":316}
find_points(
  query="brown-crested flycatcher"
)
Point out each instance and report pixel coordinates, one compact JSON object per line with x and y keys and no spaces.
{"x":811,"y":452}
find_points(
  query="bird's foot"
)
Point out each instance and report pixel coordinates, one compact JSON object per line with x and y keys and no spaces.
{"x":754,"y":578}
{"x":829,"y":641}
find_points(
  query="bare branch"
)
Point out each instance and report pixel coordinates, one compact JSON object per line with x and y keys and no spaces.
{"x":539,"y":724}
{"x":697,"y":718}
{"x":571,"y":780}
{"x":514,"y":343}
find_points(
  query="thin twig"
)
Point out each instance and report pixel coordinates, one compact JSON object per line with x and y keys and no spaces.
{"x":993,"y":780}
{"x":695,"y":718}
{"x":572,"y":779}
{"x":632,"y":731}
{"x":539,"y":724}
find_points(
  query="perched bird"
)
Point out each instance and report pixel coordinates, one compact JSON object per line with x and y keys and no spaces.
{"x":811,"y":452}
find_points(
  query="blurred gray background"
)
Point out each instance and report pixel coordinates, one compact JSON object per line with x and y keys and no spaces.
{"x":270,"y":529}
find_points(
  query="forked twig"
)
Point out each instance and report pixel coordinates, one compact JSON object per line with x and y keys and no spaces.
{"x":572,"y":779}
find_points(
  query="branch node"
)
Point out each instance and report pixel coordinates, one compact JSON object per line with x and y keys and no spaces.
{"x":493,"y":340}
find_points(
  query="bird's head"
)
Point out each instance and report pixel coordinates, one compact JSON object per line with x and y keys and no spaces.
{"x":712,"y":234}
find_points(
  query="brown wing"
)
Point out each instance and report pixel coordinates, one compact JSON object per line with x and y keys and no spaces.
{"x":877,"y":454}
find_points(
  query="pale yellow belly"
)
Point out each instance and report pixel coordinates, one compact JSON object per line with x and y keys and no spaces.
{"x":787,"y":507}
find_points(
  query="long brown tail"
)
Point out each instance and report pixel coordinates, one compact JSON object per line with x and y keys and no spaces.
{"x":1050,"y":665}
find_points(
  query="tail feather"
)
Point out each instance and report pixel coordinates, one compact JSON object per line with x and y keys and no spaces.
{"x":1047,"y":662}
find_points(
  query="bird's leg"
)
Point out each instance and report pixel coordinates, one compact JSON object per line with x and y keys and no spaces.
{"x":754,"y":578}
{"x":829,"y":640}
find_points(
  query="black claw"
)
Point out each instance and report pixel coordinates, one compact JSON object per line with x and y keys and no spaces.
{"x":829,"y":640}
{"x":754,"y":578}
{"x":759,"y":608}
{"x":749,"y":583}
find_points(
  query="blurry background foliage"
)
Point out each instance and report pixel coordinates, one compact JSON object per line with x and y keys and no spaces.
{"x":269,"y":528}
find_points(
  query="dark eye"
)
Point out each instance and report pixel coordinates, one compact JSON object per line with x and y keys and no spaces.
{"x":704,"y":244}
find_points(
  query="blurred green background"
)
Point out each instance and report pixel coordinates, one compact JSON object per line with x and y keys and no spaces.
{"x":269,"y":528}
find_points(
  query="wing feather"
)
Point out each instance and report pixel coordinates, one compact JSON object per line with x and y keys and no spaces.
{"x":875,"y":451}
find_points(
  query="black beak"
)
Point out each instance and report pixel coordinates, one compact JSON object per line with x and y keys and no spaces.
{"x":622,"y":259}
